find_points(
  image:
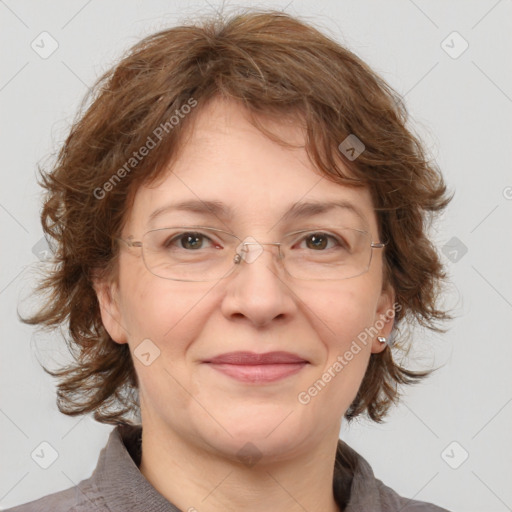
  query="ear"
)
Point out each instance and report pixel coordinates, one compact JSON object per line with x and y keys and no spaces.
{"x":111,"y":316}
{"x":384,"y":318}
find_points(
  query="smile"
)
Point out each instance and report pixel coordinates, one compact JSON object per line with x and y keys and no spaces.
{"x":259,"y":373}
{"x":246,"y":366}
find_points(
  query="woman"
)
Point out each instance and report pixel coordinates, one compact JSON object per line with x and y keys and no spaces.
{"x":239,"y":221}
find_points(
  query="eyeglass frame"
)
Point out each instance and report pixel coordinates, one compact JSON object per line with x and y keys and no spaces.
{"x":237,"y":259}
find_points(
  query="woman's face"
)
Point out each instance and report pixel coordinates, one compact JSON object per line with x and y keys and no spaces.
{"x":258,"y":308}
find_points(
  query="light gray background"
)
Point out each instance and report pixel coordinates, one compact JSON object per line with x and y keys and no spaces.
{"x":462,"y":108}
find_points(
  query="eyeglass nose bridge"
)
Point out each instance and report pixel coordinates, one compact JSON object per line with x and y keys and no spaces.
{"x":249,"y":256}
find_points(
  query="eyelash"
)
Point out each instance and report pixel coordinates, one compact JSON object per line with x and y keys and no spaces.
{"x":180,"y":236}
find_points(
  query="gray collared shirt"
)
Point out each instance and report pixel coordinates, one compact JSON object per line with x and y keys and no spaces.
{"x":117,"y":485}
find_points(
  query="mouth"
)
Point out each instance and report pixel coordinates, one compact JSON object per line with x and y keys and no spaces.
{"x":257,"y":368}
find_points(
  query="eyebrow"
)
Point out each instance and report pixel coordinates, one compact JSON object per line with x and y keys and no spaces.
{"x":222,"y":211}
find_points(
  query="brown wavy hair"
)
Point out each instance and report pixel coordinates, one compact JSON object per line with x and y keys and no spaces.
{"x":273,"y":64}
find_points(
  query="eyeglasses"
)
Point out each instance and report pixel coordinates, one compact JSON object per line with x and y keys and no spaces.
{"x":199,"y":253}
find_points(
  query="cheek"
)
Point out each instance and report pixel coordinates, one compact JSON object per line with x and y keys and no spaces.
{"x":154,"y":308}
{"x":340,"y":316}
{"x":343,"y":313}
{"x":167,"y":313}
{"x":345,"y":316}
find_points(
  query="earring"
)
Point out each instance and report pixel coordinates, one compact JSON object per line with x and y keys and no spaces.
{"x":382,"y":339}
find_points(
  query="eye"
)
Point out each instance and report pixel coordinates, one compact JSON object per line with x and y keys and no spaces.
{"x":319,"y":241}
{"x":190,"y":240}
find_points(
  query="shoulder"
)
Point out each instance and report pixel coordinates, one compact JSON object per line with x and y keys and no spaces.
{"x":80,"y":498}
{"x":391,"y":501}
{"x":109,"y":487}
{"x":368,"y":492}
{"x":89,"y":494}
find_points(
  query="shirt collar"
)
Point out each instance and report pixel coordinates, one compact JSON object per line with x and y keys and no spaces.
{"x":119,"y":479}
{"x":123,"y":487}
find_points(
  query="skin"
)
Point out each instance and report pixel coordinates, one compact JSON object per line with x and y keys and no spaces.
{"x":195,"y":419}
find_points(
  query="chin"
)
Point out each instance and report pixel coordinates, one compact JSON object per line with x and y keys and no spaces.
{"x":263,"y":441}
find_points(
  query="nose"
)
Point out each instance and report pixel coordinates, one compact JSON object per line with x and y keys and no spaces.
{"x":258,"y":289}
{"x":250,"y":249}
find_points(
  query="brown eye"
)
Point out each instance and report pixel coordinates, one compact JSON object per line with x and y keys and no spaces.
{"x":189,"y":240}
{"x":317,"y":241}
{"x":320,"y":241}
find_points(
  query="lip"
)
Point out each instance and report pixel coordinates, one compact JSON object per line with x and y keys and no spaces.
{"x":253,"y":358}
{"x":257,"y":368}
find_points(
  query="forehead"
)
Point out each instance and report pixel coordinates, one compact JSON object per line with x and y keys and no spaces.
{"x":229,"y":170}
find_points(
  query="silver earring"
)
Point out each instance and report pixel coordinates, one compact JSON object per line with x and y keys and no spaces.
{"x":382,"y":339}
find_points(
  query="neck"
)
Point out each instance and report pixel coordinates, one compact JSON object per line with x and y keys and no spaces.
{"x":193,"y":480}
